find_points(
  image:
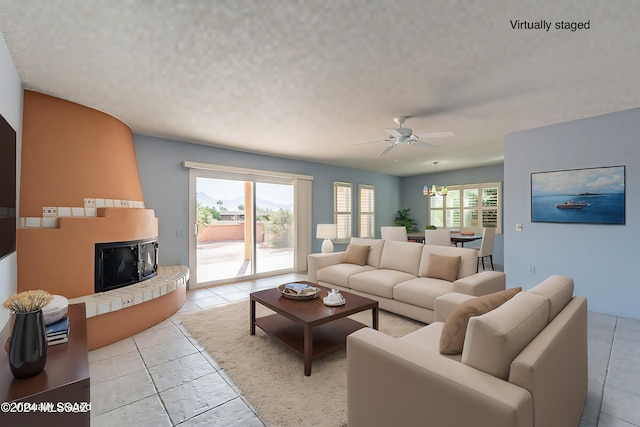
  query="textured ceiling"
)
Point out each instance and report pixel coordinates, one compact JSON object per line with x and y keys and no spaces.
{"x":310,"y":79}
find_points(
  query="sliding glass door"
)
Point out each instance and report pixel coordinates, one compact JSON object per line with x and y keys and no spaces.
{"x":223,"y":243}
{"x":274,"y":227}
{"x":244,"y":227}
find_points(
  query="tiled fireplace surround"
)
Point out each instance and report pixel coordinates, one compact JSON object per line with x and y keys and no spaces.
{"x":168,"y":279}
{"x":70,"y":155}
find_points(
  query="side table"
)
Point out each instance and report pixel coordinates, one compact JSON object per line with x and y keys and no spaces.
{"x":57,"y":396}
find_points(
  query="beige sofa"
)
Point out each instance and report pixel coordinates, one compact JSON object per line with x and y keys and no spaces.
{"x":396,"y":274}
{"x":523,"y":364}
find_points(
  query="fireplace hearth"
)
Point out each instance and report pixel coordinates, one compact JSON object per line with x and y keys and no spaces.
{"x":119,"y":264}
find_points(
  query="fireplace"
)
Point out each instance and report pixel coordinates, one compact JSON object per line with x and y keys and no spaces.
{"x":119,"y":264}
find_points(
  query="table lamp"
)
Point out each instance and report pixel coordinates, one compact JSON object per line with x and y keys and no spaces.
{"x":327,"y":232}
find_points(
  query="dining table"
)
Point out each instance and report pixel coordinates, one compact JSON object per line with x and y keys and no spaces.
{"x":456,"y":237}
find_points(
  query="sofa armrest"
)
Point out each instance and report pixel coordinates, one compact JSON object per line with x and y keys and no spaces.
{"x":445,"y":304}
{"x":482,"y":283}
{"x":317,"y":261}
{"x":392,"y":382}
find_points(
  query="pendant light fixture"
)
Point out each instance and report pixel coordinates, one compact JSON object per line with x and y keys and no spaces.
{"x":435,"y":190}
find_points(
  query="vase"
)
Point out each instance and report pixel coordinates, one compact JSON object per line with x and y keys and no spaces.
{"x":28,"y":345}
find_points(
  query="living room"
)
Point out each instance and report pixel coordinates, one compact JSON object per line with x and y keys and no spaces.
{"x":595,"y":256}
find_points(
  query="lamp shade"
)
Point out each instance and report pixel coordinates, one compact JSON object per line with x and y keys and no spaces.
{"x":327,"y":231}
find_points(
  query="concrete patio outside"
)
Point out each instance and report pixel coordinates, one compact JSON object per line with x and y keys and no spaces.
{"x":225,"y":260}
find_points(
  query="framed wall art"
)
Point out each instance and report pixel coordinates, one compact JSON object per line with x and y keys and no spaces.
{"x":587,"y":196}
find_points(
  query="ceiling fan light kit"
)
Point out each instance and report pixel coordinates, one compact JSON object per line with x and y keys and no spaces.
{"x":406,"y":136}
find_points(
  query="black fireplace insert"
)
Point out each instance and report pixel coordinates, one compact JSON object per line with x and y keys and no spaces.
{"x":121,"y":264}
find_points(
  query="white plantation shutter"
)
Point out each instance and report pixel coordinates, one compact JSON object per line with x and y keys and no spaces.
{"x":343,"y":211}
{"x":470,"y":206}
{"x":490,"y":206}
{"x":367,"y":218}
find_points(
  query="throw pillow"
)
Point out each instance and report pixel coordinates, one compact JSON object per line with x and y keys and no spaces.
{"x":494,"y":339}
{"x":443,"y":267}
{"x":455,"y":327}
{"x":356,"y":254}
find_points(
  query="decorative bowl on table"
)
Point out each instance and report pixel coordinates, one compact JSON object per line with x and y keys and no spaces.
{"x":299,"y":291}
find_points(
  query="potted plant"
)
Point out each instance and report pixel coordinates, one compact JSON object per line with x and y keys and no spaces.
{"x":404,"y":219}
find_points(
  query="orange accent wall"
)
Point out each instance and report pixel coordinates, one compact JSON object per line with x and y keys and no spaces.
{"x":70,"y":152}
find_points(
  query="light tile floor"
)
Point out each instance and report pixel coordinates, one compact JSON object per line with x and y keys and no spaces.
{"x":160,"y":377}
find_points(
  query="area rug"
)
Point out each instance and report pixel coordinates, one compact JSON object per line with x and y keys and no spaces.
{"x":270,"y":376}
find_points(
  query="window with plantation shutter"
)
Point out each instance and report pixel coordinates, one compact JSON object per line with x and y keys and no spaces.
{"x":468,"y":207}
{"x":343,"y":211}
{"x":367,"y":211}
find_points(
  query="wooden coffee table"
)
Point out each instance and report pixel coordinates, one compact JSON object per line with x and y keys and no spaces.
{"x":309,"y":327}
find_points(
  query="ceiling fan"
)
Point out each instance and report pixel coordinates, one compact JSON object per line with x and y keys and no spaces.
{"x":406,"y":136}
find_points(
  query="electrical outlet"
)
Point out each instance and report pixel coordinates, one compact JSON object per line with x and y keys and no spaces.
{"x":532,"y":269}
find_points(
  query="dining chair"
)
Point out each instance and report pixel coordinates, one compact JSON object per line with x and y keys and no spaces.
{"x":437,"y":237}
{"x":486,"y":247}
{"x":394,"y":233}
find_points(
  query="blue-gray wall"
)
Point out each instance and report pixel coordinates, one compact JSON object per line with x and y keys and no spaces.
{"x":411,"y":195}
{"x":165,"y":185}
{"x":600,"y":258}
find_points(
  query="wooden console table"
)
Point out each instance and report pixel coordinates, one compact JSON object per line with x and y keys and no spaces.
{"x":57,"y":396}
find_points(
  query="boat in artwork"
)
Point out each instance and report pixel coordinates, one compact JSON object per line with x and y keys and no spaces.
{"x":571,"y":204}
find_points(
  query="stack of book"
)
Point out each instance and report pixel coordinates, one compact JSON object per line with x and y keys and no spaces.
{"x":58,"y":332}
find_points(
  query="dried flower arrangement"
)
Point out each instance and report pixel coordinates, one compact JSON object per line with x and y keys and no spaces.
{"x":27,"y":301}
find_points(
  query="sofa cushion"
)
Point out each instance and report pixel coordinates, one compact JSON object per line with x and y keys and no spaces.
{"x":378,"y":282}
{"x":375,"y":250}
{"x":401,"y":256}
{"x":495,"y":338}
{"x":468,"y":259}
{"x":443,"y":267}
{"x":356,"y":254}
{"x":338,"y":274}
{"x":455,"y":327}
{"x":421,"y":291}
{"x":428,"y":338}
{"x":559,"y":291}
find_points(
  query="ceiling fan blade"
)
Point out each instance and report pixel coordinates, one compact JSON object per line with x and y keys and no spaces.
{"x":442,"y":134}
{"x":394,"y":133}
{"x":421,"y":144}
{"x":387,"y":149}
{"x":374,"y":142}
{"x":370,"y":142}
